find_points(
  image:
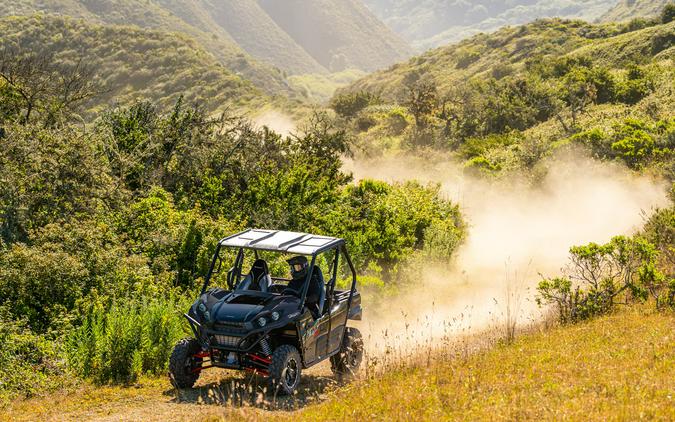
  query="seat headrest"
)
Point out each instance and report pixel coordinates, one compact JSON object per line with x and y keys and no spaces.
{"x":259,"y":264}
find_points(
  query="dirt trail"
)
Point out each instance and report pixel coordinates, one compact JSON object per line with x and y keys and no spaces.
{"x":218,"y":394}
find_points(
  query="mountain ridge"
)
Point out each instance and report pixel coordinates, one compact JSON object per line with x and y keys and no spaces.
{"x":252,"y":36}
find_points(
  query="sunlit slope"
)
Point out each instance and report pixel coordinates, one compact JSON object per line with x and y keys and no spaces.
{"x":431,"y":23}
{"x":629,"y":9}
{"x":250,"y":28}
{"x":193,"y":21}
{"x":510,"y":49}
{"x":619,"y":367}
{"x":132,"y":62}
{"x":264,"y":41}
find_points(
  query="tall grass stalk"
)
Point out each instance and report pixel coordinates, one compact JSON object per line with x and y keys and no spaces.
{"x":126,"y":341}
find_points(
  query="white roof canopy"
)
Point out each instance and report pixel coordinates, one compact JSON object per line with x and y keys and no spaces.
{"x":280,"y":241}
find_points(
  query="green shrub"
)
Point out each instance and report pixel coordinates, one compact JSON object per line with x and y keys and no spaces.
{"x":397,"y":121}
{"x":42,"y":284}
{"x":385,"y":224}
{"x":595,"y":139}
{"x":660,"y":231}
{"x":443,"y":237}
{"x":598,"y":274}
{"x":639,"y":83}
{"x":465,"y":57}
{"x":634,"y":144}
{"x":365,"y":122}
{"x":349,"y":105}
{"x":480,"y":165}
{"x":29,"y":363}
{"x":662,"y":40}
{"x":477,"y":146}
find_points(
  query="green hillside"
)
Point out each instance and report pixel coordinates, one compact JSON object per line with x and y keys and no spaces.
{"x":629,"y":9}
{"x":478,"y":56}
{"x":431,"y":23}
{"x":132,"y":63}
{"x":150,"y":15}
{"x":510,"y":49}
{"x":262,"y":40}
{"x":504,"y":101}
{"x":340,"y":34}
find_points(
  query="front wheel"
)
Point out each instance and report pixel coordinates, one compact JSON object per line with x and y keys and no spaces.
{"x":184,"y":364}
{"x":285,"y":369}
{"x":347,"y":361}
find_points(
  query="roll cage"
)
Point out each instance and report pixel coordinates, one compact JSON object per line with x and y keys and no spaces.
{"x":283,"y":242}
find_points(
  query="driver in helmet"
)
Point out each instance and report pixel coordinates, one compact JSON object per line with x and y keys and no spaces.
{"x":299,"y":268}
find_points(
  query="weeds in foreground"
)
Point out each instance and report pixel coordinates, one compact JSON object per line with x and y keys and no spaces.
{"x":126,"y":341}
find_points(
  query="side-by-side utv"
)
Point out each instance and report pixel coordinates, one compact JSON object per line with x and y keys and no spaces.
{"x":267,"y":324}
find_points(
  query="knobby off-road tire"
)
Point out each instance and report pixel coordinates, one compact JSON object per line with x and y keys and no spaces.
{"x":182,"y":363}
{"x":285,"y":370}
{"x":346,"y":363}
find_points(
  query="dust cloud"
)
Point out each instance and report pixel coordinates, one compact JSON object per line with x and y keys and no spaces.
{"x":516,"y":232}
{"x":277,"y":121}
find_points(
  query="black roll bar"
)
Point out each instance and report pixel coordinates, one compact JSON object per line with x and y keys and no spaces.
{"x":308,"y":280}
{"x":207,"y":279}
{"x":353,"y":289}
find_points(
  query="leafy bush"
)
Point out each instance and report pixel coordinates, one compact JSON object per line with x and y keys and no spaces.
{"x":636,"y":142}
{"x":397,"y":121}
{"x":42,"y":284}
{"x":598,"y":274}
{"x":465,"y":57}
{"x":638,"y":84}
{"x":29,"y":362}
{"x":49,"y":176}
{"x":662,"y":40}
{"x":660,"y":231}
{"x":349,"y":105}
{"x":126,"y":341}
{"x":385,"y":224}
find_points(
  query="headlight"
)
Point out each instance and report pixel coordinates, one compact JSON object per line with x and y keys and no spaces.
{"x":201,"y":307}
{"x":262,"y":321}
{"x":275,"y":316}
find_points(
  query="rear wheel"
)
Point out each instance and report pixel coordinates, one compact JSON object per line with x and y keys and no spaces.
{"x":285,"y":369}
{"x":346,"y":363}
{"x":183,"y":365}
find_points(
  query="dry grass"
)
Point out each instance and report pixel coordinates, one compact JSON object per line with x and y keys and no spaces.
{"x":619,"y":367}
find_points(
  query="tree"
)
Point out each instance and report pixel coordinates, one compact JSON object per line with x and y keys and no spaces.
{"x":460,"y":112}
{"x":39,"y":85}
{"x":50,"y":176}
{"x":577,"y":94}
{"x":421,"y":101}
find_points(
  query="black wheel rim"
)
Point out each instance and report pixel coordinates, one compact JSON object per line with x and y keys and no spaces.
{"x":351,"y":359}
{"x":192,"y":363}
{"x":291,"y":373}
